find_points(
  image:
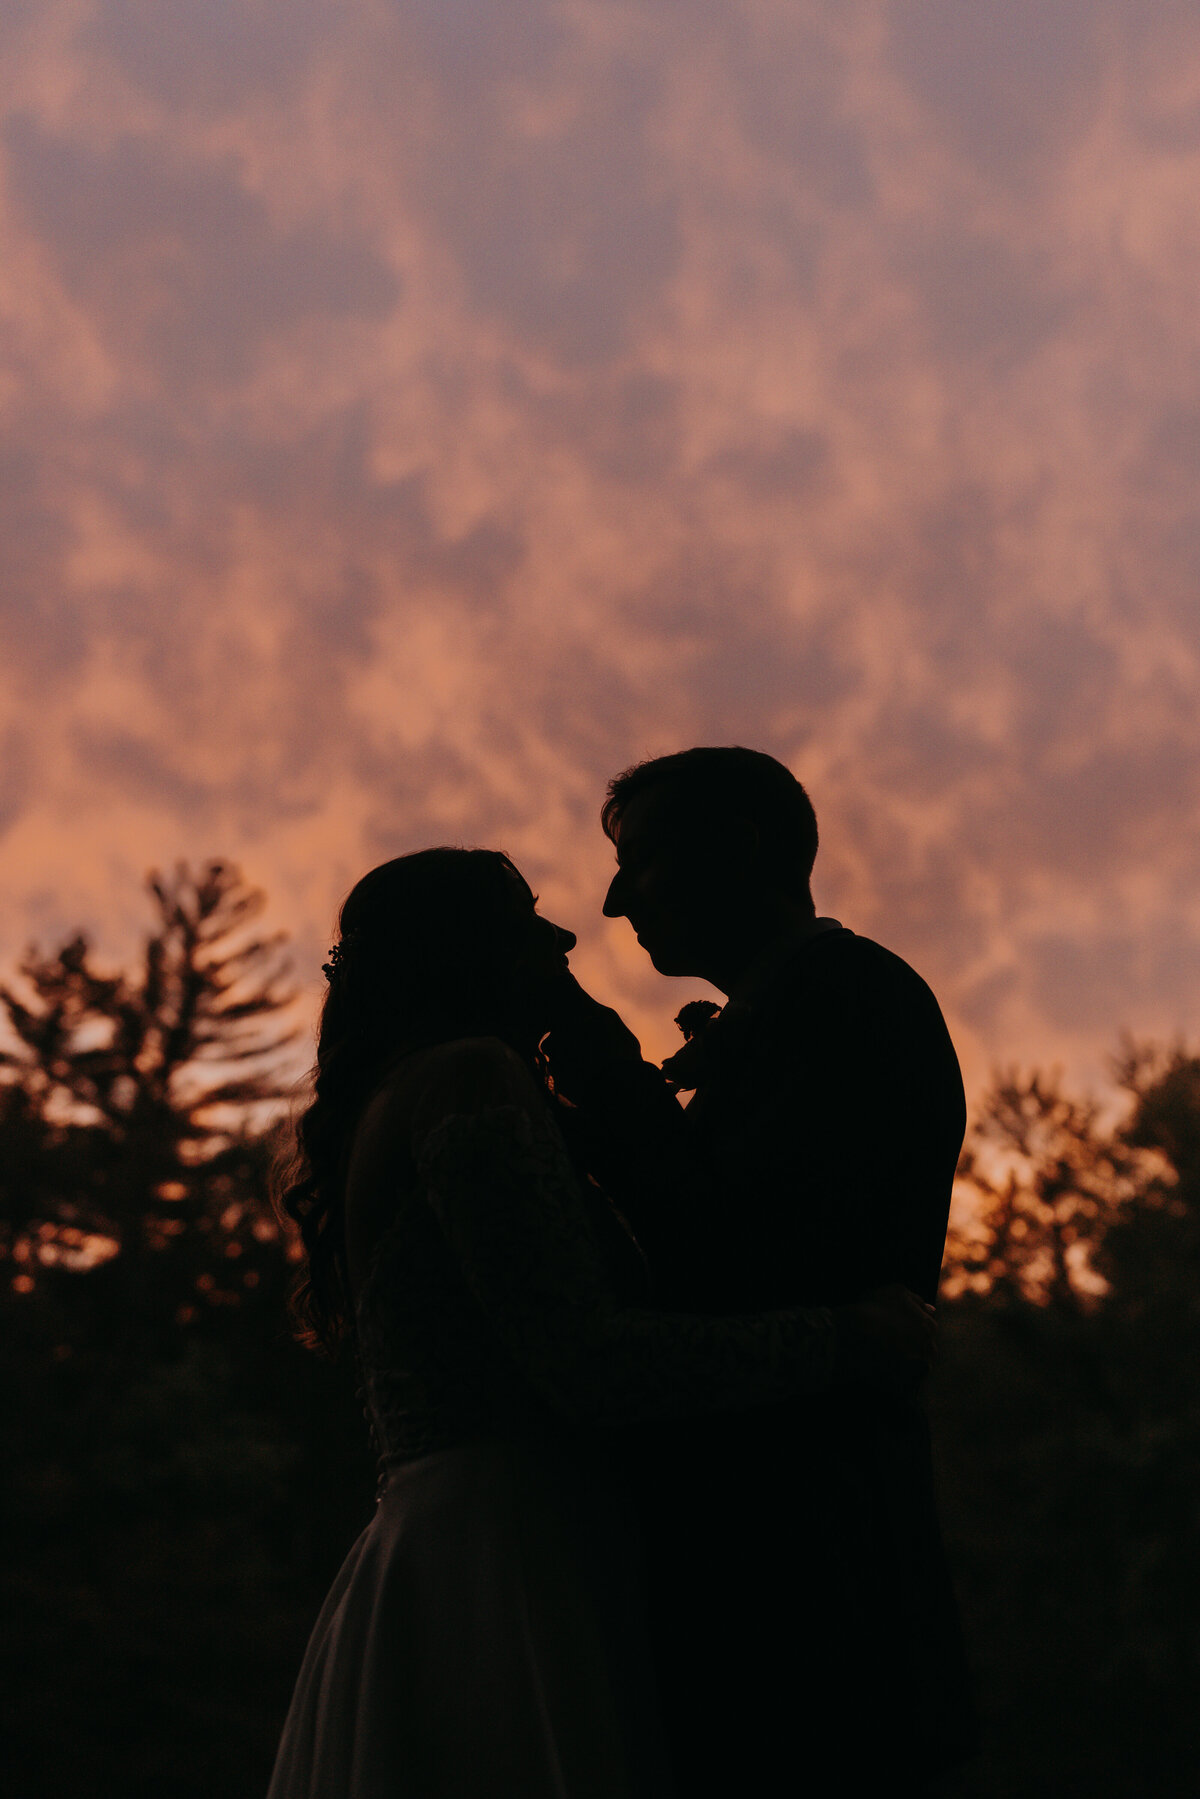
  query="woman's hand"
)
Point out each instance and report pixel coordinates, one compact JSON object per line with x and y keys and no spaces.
{"x":585,"y":1037}
{"x":894,"y":1336}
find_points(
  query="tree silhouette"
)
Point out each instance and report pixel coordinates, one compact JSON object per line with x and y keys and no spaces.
{"x":138,"y":1108}
{"x":1151,"y":1252}
{"x":1041,"y":1182}
{"x":1069,"y":1430}
{"x":181,"y":1480}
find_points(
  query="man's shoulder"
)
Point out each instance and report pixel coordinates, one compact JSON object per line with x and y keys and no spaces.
{"x":844,"y":1013}
{"x":844,"y":960}
{"x":847,"y":995}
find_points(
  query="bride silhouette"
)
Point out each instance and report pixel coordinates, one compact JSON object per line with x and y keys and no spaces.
{"x":485,"y":1637}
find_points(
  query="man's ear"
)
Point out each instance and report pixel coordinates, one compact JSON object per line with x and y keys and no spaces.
{"x":743,"y":844}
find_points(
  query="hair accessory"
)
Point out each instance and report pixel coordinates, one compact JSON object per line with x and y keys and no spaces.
{"x":336,"y":964}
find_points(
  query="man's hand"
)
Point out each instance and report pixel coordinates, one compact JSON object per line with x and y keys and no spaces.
{"x":585,"y":1037}
{"x":896,"y":1336}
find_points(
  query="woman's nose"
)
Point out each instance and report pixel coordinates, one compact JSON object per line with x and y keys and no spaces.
{"x":566,"y":939}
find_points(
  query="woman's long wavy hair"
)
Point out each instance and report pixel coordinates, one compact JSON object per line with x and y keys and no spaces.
{"x":427,"y":953}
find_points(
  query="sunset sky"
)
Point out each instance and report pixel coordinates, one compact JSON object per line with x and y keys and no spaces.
{"x":415,"y":411}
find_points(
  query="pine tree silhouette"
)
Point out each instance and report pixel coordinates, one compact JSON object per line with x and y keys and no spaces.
{"x":137,"y":1108}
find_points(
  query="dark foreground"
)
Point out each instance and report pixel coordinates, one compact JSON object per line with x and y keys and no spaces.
{"x":167,"y":1543}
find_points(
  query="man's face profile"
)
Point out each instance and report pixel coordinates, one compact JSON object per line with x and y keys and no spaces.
{"x":663,"y":880}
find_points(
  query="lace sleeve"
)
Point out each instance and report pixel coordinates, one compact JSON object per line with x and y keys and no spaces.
{"x":504,"y":1193}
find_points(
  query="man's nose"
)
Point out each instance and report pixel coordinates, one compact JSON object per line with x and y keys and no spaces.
{"x":614,"y":899}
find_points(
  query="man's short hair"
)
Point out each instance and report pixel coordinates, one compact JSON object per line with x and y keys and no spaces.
{"x":703,"y":783}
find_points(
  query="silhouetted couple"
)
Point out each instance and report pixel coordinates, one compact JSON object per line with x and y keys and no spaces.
{"x":656,"y":1511}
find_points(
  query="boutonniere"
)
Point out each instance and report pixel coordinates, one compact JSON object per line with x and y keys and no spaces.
{"x":689,"y":1065}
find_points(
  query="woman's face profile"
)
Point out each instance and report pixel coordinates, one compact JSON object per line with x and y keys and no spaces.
{"x":543,"y":946}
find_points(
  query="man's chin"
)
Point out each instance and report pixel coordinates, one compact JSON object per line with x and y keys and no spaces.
{"x":668,"y":961}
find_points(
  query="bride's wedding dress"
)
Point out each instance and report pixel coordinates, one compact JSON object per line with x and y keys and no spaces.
{"x":484,"y":1638}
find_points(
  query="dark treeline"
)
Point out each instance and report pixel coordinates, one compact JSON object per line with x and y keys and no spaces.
{"x":183,"y":1479}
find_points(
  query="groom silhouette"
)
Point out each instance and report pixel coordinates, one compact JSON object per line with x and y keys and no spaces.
{"x":805,"y":1630}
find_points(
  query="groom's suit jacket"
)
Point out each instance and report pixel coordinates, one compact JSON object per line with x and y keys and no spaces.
{"x":801,"y":1601}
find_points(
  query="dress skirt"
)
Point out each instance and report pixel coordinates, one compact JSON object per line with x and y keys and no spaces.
{"x":484,"y":1639}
